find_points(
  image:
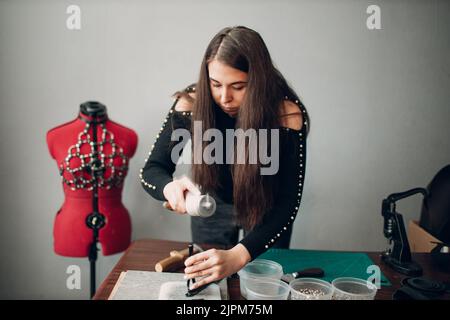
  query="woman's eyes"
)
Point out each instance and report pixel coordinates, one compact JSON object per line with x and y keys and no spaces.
{"x":235,"y":88}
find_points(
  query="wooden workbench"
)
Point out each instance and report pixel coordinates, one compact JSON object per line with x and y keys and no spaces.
{"x":144,"y":254}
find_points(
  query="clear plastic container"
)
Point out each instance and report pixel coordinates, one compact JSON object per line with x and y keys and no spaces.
{"x":310,"y":289}
{"x":353,"y":289}
{"x":266,"y":289}
{"x":259,"y":269}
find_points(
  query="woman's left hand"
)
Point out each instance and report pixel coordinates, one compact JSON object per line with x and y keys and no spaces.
{"x":215,"y":264}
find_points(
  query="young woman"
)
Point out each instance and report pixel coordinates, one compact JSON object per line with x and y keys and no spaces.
{"x":238,"y":88}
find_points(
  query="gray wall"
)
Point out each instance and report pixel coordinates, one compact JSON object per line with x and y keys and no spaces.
{"x":379,"y":103}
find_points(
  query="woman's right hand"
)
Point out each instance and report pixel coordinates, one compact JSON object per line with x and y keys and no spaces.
{"x":175,"y":192}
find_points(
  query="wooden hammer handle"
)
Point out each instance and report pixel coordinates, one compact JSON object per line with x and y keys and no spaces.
{"x":183,"y":254}
{"x":174,"y":261}
{"x":171,"y":263}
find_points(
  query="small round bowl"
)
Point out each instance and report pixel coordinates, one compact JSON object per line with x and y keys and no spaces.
{"x":310,"y":289}
{"x":353,"y":289}
{"x":259,"y":269}
{"x":267,"y":289}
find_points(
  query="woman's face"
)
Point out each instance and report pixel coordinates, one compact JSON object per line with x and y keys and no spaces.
{"x":228,"y":86}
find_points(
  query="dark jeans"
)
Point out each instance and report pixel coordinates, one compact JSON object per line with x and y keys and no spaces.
{"x":222,"y":229}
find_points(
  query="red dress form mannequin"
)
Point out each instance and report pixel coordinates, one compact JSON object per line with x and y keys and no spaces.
{"x":71,"y":145}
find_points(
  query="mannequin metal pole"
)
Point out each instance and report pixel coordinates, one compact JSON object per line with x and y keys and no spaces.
{"x":95,"y":220}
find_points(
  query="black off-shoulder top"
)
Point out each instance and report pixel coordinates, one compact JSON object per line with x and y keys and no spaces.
{"x":159,"y":168}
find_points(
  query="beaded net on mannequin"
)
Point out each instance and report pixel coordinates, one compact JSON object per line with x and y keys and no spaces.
{"x":83,"y":167}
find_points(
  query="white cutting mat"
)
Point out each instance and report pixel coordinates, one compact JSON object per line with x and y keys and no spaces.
{"x":146,"y":285}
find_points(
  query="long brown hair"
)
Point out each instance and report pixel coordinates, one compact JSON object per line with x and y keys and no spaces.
{"x":245,"y":50}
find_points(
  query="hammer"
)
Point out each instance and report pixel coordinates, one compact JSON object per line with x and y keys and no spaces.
{"x":175,"y":260}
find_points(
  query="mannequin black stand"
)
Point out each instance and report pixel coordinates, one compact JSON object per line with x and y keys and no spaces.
{"x":95,"y":220}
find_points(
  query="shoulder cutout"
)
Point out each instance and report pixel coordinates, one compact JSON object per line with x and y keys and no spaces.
{"x":291,"y":115}
{"x":184,"y":103}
